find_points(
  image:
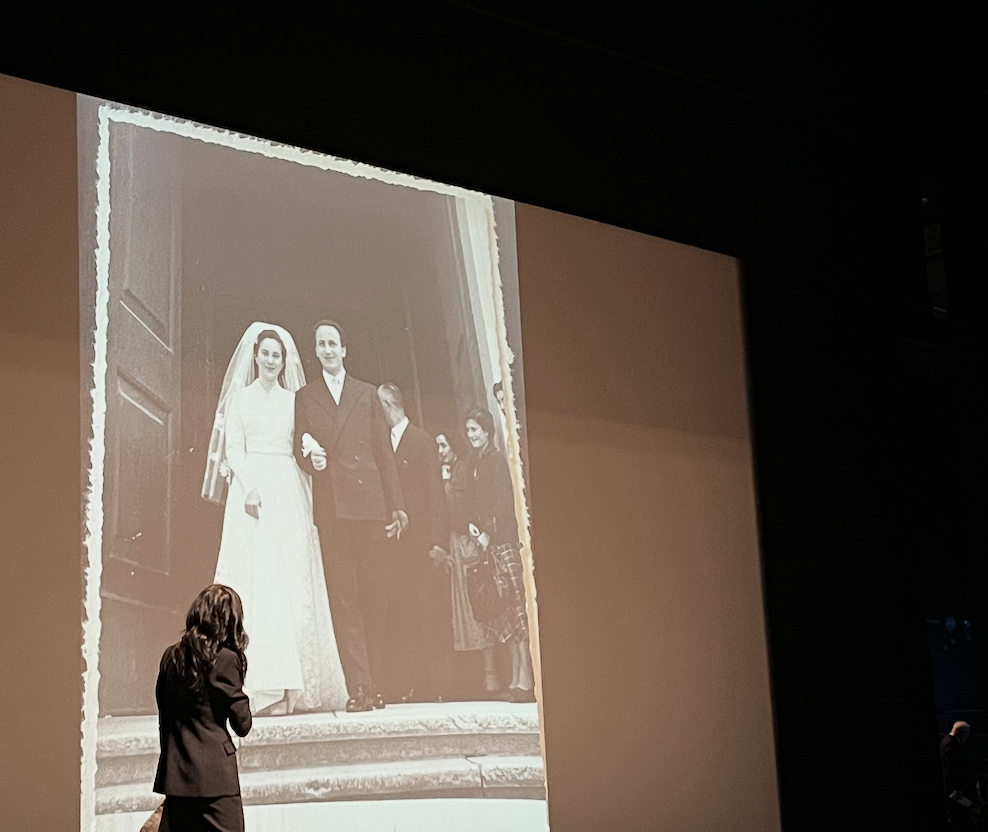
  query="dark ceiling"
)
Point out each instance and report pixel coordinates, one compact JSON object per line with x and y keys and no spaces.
{"x":908,"y":77}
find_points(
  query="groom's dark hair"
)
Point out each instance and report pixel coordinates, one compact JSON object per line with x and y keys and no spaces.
{"x":336,"y":326}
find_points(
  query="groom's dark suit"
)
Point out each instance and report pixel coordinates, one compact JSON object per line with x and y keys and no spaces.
{"x":352,"y":501}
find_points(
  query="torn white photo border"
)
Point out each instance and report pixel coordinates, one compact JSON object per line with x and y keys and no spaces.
{"x":478,"y":214}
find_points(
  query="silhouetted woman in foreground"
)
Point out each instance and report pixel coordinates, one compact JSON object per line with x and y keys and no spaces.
{"x":200,"y":689}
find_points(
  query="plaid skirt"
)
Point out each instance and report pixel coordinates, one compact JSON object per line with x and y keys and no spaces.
{"x":512,"y":624}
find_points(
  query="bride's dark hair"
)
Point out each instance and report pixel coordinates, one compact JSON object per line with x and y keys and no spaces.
{"x":270,"y":333}
{"x":215,"y":620}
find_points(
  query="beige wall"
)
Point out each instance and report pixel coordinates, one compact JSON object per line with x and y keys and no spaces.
{"x":657,"y":704}
{"x":40,"y":531}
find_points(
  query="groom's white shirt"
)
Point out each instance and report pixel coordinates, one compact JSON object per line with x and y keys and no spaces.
{"x":335,"y":383}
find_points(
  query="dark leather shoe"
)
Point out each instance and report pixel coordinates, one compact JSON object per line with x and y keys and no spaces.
{"x":377,"y":701}
{"x":360,"y":701}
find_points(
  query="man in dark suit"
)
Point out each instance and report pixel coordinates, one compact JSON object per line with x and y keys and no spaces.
{"x":342,"y":441}
{"x":420,"y":636}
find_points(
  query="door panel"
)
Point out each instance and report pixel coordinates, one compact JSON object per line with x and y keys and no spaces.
{"x":143,"y":416}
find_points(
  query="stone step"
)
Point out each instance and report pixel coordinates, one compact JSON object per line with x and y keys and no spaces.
{"x":427,"y":750}
{"x":127,"y":747}
{"x":483,"y":815}
{"x":496,"y":777}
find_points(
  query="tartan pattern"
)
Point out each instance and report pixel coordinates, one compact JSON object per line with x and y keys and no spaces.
{"x":512,"y":624}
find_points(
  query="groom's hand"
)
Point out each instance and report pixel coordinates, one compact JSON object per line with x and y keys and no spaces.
{"x":313,"y":450}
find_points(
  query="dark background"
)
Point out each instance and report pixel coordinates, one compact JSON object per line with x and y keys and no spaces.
{"x":801,"y":140}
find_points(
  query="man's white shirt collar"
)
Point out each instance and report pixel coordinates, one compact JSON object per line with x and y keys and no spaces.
{"x":335,"y":383}
{"x":397,"y":432}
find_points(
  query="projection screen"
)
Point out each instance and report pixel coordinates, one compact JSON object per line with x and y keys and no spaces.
{"x":177,"y":249}
{"x":210,"y":253}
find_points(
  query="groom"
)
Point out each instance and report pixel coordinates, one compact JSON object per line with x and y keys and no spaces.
{"x":343,"y":441}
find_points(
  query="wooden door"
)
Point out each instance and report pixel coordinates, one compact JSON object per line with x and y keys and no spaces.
{"x":139,"y":604}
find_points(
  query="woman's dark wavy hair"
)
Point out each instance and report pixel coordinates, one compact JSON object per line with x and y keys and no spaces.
{"x":270,"y":333}
{"x":215,"y":620}
{"x":483,"y":418}
{"x":457,"y":440}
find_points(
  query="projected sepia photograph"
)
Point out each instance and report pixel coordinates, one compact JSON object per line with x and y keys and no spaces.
{"x":306,"y":501}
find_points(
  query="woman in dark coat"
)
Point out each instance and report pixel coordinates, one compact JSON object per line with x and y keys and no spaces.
{"x":199,"y":690}
{"x":490,"y":508}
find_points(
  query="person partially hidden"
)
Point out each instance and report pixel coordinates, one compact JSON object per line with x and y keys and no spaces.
{"x":959,"y":783}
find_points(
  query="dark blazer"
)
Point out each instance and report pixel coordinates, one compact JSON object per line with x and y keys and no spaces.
{"x":418,"y":474}
{"x":490,"y":497}
{"x":360,"y":481}
{"x":198,"y":758}
{"x":958,"y":774}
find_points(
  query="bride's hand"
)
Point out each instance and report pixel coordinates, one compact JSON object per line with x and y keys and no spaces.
{"x":252,"y":504}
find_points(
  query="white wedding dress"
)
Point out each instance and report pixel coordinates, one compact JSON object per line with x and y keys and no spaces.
{"x":274,"y":562}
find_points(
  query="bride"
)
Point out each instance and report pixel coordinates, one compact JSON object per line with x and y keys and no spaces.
{"x":269,"y":552}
